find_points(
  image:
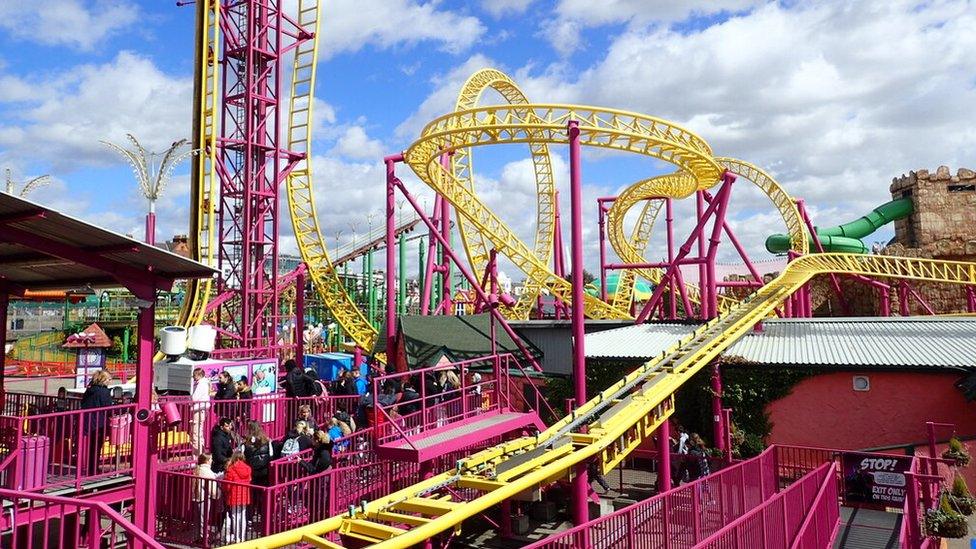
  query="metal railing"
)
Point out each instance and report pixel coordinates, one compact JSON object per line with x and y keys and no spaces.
{"x":431,"y":411}
{"x":41,"y":521}
{"x":778,"y":520}
{"x":276,"y":414}
{"x":820,"y":526}
{"x":681,"y":517}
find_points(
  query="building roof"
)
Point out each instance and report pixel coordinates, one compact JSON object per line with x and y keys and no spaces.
{"x":638,"y":341}
{"x":460,"y":337}
{"x":884,"y":343}
{"x":41,"y":248}
{"x":91,"y":337}
{"x":915,"y":343}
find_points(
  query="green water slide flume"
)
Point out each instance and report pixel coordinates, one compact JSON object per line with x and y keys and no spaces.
{"x":846,"y":238}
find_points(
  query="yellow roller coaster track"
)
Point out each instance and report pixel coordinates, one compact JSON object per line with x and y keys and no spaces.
{"x":204,"y":194}
{"x":544,"y":123}
{"x":301,"y":195}
{"x":476,"y":245}
{"x":632,"y":251}
{"x":619,"y":418}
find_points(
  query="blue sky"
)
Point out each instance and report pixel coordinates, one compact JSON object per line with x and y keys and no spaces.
{"x":833,"y":98}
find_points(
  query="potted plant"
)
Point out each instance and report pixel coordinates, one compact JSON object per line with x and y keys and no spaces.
{"x":957,"y":452}
{"x":945,"y":522}
{"x":962,"y":499}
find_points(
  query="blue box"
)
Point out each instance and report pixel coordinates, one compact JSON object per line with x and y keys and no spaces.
{"x":327,"y":365}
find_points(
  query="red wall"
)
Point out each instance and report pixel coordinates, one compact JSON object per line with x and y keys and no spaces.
{"x":824,"y":410}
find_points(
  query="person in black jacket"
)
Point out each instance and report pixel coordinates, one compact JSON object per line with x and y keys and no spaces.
{"x":222,"y":443}
{"x":96,"y":395}
{"x":321,"y":454}
{"x":257,"y":453}
{"x":226,"y":391}
{"x":297,"y":383}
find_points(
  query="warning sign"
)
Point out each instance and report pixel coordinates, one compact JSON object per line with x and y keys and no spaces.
{"x":875,"y":479}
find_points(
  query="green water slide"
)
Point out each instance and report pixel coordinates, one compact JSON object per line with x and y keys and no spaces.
{"x":846,"y":238}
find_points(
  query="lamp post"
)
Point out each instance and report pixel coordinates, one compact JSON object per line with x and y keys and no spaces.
{"x":152,"y":177}
{"x":28,"y":186}
{"x":370,"y":285}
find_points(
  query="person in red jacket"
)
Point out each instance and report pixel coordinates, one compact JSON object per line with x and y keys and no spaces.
{"x":237,"y":497}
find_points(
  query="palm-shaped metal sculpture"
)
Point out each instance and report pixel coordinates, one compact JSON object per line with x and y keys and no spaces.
{"x":152,"y":177}
{"x":29,"y":186}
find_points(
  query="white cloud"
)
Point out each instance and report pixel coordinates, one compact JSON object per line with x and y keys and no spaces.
{"x":355,"y":144}
{"x":88,"y":103}
{"x":499,"y":8}
{"x":572,"y":16}
{"x":443,"y":98}
{"x":349,"y":25}
{"x":73,"y":23}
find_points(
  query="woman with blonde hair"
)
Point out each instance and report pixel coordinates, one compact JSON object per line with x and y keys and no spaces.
{"x":96,"y":396}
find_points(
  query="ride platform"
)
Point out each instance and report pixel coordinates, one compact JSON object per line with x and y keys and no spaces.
{"x":457,"y":435}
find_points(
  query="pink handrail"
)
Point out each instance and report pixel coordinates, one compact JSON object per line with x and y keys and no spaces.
{"x":816,"y":523}
{"x":730,"y":534}
{"x":96,"y":507}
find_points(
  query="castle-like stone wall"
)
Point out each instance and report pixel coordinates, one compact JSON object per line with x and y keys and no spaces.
{"x":943,"y":225}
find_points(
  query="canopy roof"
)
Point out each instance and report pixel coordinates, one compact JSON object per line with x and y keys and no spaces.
{"x":43,"y":249}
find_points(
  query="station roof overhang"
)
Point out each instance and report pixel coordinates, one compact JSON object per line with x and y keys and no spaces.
{"x":44,"y":249}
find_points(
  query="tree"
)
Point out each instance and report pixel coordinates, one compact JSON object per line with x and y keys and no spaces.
{"x":587,"y":277}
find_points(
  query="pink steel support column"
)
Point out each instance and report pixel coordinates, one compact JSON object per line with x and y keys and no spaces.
{"x":144,"y":445}
{"x":672,"y":296}
{"x":445,"y":266}
{"x":664,"y":457}
{"x":558,"y":260}
{"x":581,"y":485}
{"x":903,"y":309}
{"x":300,"y":318}
{"x":718,"y":428}
{"x":702,"y":271}
{"x":685,"y":249}
{"x":970,"y":300}
{"x":391,"y":265}
{"x":357,"y":358}
{"x":4,"y":309}
{"x":468,"y":275}
{"x":427,"y":290}
{"x":727,"y":421}
{"x":800,"y":205}
{"x":713,"y":242}
{"x":602,"y":218}
{"x":151,"y":228}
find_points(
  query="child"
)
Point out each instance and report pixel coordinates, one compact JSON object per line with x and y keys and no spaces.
{"x":204,"y":491}
{"x":237,"y":497}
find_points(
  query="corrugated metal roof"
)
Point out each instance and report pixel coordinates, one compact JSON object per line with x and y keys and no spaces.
{"x":640,"y":341}
{"x":39,"y":265}
{"x":911,"y":343}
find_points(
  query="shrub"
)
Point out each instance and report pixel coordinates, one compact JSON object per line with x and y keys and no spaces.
{"x":945,"y":522}
{"x":957,"y":452}
{"x":962,"y":499}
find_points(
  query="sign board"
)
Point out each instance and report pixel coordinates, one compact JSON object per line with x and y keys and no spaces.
{"x":875,"y":479}
{"x":88,"y":361}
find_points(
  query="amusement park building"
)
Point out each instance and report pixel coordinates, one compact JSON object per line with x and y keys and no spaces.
{"x":876,"y":381}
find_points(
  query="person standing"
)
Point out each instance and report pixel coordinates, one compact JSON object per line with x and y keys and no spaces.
{"x":200,"y":397}
{"x":222,"y":444}
{"x":96,"y":396}
{"x":204,"y":492}
{"x":237,"y":497}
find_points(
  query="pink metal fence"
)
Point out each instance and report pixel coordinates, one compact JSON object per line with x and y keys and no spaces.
{"x":776,"y":522}
{"x":41,"y":521}
{"x":681,"y":517}
{"x":275,"y":412}
{"x":405,"y":419}
{"x":820,"y":526}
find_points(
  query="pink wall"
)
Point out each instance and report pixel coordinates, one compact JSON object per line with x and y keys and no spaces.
{"x":824,"y":410}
